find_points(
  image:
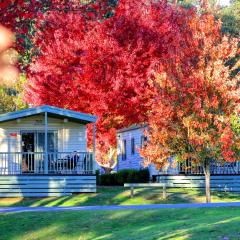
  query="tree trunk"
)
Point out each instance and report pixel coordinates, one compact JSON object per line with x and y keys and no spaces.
{"x":207,"y":180}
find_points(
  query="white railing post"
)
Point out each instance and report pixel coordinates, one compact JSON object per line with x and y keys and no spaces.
{"x":57,"y":162}
{"x":94,"y":149}
{"x":46,"y":143}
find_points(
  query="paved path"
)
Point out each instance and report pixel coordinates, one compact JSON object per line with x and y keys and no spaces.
{"x":117,"y":207}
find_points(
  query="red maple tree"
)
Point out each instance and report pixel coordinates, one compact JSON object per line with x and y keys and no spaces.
{"x":20,"y":17}
{"x":195,"y":104}
{"x":103,"y":67}
{"x":146,"y":60}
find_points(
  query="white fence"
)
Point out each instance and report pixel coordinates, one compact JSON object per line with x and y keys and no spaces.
{"x":57,"y":163}
{"x":227,"y":183}
{"x":215,"y":168}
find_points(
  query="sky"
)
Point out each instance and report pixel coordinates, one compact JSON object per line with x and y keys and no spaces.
{"x":224,"y":2}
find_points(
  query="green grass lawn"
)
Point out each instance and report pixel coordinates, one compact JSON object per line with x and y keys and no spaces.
{"x":217,"y":223}
{"x":121,"y":196}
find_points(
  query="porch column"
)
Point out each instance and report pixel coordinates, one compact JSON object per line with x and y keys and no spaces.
{"x":94,"y":147}
{"x":46,"y":143}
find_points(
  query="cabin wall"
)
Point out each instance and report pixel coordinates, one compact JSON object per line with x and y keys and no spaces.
{"x":134,"y":161}
{"x":71,"y":136}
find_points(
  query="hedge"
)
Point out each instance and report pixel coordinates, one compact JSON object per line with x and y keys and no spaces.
{"x":123,"y":176}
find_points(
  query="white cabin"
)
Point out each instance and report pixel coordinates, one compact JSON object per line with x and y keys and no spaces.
{"x":130,"y":139}
{"x":46,"y":141}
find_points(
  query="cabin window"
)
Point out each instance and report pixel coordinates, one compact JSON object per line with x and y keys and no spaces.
{"x":143,"y":141}
{"x":133,"y":146}
{"x":124,"y":150}
{"x":34,"y":141}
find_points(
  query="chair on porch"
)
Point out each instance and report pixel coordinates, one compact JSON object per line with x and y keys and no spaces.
{"x":73,"y":163}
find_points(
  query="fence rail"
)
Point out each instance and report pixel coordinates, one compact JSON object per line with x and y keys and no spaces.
{"x":223,"y":183}
{"x":57,"y":163}
{"x":189,"y":168}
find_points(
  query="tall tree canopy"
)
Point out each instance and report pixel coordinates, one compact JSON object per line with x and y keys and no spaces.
{"x":197,"y":107}
{"x":120,"y":59}
{"x":102,"y":67}
{"x":20,"y":17}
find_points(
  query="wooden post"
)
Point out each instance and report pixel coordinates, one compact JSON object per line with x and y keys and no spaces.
{"x":94,"y":148}
{"x":132,"y":192}
{"x":46,"y":143}
{"x":164,"y":193}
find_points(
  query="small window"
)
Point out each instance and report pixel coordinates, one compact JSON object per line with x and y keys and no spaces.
{"x":133,"y":146}
{"x":124,"y":150}
{"x":143,"y":141}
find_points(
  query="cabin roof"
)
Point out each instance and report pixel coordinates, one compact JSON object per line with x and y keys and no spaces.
{"x":132,"y":127}
{"x":52,"y":112}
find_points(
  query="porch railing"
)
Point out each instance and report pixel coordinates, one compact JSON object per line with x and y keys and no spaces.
{"x":57,"y":162}
{"x":189,"y":168}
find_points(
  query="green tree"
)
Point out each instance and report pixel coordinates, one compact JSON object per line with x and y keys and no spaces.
{"x":11,"y":96}
{"x":230,"y":16}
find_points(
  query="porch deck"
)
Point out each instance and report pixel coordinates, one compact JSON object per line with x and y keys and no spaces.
{"x":57,"y":163}
{"x":37,"y":152}
{"x":40,"y":174}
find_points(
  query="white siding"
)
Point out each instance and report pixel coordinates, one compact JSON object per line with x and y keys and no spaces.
{"x":135,"y":161}
{"x":132,"y":161}
{"x":71,"y":136}
{"x":74,"y":137}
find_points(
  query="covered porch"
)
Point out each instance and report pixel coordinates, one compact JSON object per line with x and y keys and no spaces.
{"x":54,"y":163}
{"x":43,"y":152}
{"x":46,"y":140}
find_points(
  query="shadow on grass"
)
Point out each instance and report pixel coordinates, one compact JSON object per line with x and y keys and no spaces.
{"x":121,"y":196}
{"x":218,"y":223}
{"x":104,"y":196}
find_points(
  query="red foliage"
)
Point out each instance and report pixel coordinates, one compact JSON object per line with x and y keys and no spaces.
{"x":21,"y":15}
{"x":195,"y":104}
{"x":150,"y":60}
{"x":103,"y":67}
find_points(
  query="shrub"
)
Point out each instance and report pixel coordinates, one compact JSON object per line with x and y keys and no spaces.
{"x":97,"y":176}
{"x":123,"y":176}
{"x":107,"y":179}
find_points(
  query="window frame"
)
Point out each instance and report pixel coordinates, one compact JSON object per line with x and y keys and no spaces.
{"x":144,"y":141}
{"x":124,"y":150}
{"x":133,"y":146}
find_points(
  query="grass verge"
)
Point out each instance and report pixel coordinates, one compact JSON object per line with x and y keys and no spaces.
{"x":217,"y":223}
{"x":121,"y":196}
